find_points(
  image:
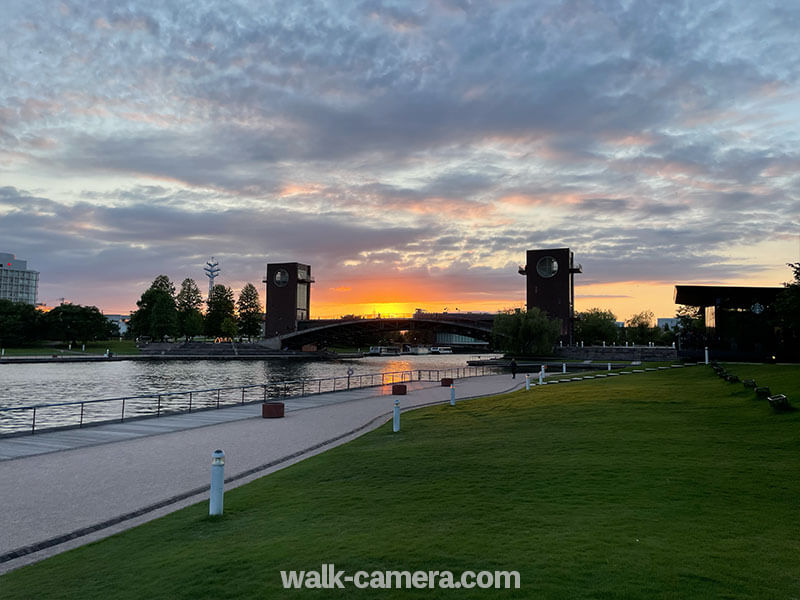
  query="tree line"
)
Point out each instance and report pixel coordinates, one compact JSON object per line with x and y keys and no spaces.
{"x":22,"y":324}
{"x":162,"y":313}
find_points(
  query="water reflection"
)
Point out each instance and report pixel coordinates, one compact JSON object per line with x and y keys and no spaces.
{"x":28,"y":384}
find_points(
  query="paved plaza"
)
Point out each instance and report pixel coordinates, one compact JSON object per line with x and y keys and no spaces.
{"x":66,"y":488}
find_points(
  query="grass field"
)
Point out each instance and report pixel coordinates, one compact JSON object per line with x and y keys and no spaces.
{"x":670,"y":484}
{"x":119,"y":347}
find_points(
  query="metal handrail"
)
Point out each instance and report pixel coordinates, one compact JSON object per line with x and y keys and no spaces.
{"x":270,"y":390}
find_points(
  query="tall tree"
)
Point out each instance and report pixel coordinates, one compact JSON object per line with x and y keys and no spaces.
{"x":189,"y":302}
{"x":220,"y":305}
{"x":157,"y":316}
{"x":522,"y":332}
{"x":248,"y":305}
{"x":595,"y":326}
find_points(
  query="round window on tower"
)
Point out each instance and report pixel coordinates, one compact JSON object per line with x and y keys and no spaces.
{"x":547,"y":267}
{"x":281,"y":277}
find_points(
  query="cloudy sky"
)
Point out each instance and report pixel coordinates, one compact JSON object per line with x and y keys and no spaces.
{"x":411,"y":152}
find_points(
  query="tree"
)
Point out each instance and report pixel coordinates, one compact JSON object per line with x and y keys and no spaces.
{"x":691,"y":328}
{"x":157,"y":316}
{"x":220,"y":305}
{"x":228,"y":327}
{"x":188,"y":302}
{"x":787,"y":314}
{"x":595,"y":326}
{"x":525,"y":332}
{"x":20,"y":324}
{"x":639,"y":328}
{"x":249,"y":308}
{"x":73,"y":323}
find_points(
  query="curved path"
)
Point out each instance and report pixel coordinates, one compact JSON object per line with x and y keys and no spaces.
{"x":63,"y":489}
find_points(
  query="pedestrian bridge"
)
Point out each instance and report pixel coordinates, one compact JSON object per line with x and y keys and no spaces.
{"x":332,"y":332}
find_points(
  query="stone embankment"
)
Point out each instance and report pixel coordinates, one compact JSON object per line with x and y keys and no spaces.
{"x":621,"y":353}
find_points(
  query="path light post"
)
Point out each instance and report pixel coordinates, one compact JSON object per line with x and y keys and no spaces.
{"x":609,"y":366}
{"x":527,"y":382}
{"x":396,"y":416}
{"x":706,"y":354}
{"x":563,"y":367}
{"x":452,"y":394}
{"x":541,"y":375}
{"x":217,"y":482}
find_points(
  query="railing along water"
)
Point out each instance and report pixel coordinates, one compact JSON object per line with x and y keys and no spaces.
{"x":16,"y":420}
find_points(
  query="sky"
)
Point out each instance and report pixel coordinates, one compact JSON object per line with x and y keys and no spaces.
{"x":410,"y":152}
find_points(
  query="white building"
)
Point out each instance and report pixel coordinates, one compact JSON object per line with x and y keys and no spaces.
{"x":665,"y":322}
{"x":122,"y":322}
{"x":17,"y":282}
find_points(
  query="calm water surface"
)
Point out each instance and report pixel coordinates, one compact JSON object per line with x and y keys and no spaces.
{"x":25,"y":385}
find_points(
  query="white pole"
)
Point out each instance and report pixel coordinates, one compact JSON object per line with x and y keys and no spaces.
{"x":527,"y":382}
{"x":563,"y":367}
{"x":396,"y":416}
{"x":452,"y":394}
{"x":609,"y":366}
{"x":217,"y":482}
{"x":541,"y":375}
{"x":706,"y":354}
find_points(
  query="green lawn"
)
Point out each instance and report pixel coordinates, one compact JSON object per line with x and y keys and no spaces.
{"x":670,"y":484}
{"x":47,"y":348}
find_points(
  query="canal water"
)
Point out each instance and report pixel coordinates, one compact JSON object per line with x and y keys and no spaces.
{"x":49,"y":383}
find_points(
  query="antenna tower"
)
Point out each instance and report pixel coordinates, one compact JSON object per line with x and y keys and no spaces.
{"x":212,"y":270}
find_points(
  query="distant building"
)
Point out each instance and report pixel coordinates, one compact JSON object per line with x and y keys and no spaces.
{"x":17,"y":282}
{"x":121,"y":321}
{"x":667,"y":323}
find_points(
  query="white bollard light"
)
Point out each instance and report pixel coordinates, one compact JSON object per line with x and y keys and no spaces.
{"x":527,"y":382}
{"x":396,"y":416}
{"x":452,"y":394}
{"x":563,"y":367}
{"x":217,"y":482}
{"x":706,"y":354}
{"x":541,"y":375}
{"x":609,"y":366}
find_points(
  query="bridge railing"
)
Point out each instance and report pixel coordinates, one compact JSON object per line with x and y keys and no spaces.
{"x":19,"y":420}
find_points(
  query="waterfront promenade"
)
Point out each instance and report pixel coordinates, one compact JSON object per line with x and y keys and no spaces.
{"x":63,"y":489}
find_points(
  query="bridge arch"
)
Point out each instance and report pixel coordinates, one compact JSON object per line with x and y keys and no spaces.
{"x":331,"y":332}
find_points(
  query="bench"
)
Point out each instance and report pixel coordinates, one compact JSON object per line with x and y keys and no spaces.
{"x":779,"y":403}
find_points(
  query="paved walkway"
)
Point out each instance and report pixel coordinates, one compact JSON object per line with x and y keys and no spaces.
{"x":64,"y":489}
